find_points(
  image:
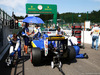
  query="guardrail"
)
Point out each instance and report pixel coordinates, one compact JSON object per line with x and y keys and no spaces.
{"x":4,"y":32}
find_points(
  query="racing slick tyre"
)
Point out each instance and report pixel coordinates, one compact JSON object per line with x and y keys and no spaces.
{"x":71,"y":53}
{"x":36,"y":56}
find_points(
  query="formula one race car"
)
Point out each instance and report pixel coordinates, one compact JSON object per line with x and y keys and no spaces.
{"x":53,"y":48}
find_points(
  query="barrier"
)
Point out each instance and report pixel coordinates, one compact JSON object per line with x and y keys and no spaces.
{"x":76,"y":31}
{"x":4,"y":32}
{"x":87,"y":37}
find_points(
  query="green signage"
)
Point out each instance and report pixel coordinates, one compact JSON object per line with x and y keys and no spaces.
{"x":42,"y":9}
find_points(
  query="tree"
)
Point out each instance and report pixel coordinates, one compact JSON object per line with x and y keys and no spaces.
{"x":94,"y":16}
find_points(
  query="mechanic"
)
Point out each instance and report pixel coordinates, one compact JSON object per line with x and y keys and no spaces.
{"x":26,"y":34}
{"x":37,"y":32}
{"x":59,"y":32}
{"x":95,"y":36}
{"x":72,"y":40}
{"x":15,"y":43}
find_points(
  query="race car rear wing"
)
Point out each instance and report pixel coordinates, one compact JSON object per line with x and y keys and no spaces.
{"x":64,"y":43}
{"x":56,"y":38}
{"x":59,"y":38}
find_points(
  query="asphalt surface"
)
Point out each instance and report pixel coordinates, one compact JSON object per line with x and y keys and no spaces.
{"x":90,"y":66}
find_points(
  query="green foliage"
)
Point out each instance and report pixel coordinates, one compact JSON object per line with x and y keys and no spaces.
{"x":46,"y":17}
{"x":94,"y":16}
{"x":68,"y":17}
{"x":19,"y":17}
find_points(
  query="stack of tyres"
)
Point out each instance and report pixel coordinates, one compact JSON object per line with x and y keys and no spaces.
{"x":76,"y":31}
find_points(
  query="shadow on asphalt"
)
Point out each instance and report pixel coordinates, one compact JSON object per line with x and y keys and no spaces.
{"x":63,"y":61}
{"x":4,"y":70}
{"x":23,"y":59}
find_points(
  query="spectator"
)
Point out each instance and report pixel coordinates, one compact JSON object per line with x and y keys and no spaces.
{"x":99,"y":37}
{"x":95,"y":36}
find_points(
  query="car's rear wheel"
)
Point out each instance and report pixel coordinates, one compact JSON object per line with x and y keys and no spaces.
{"x":36,"y":56}
{"x":31,"y":56}
{"x":71,"y":53}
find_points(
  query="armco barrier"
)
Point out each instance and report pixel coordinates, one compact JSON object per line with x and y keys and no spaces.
{"x":4,"y":32}
{"x":3,"y":52}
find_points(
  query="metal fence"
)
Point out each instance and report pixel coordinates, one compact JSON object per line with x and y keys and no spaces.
{"x":4,"y":29}
{"x":4,"y":17}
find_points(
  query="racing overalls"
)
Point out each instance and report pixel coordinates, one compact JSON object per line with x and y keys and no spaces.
{"x":15,"y":45}
{"x":59,"y":42}
{"x":37,"y":33}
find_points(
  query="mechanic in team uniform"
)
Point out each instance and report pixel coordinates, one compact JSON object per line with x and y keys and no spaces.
{"x":72,"y":40}
{"x":15,"y":43}
{"x":59,"y":32}
{"x":36,"y":32}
